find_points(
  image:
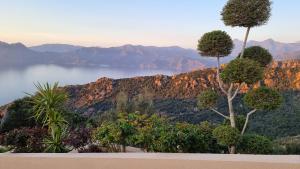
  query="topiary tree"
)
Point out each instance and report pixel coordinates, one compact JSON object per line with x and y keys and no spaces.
{"x":246,"y":13}
{"x":248,"y":68}
{"x":227,"y":136}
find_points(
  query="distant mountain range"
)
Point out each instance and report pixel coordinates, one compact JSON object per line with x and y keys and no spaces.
{"x":177,"y":59}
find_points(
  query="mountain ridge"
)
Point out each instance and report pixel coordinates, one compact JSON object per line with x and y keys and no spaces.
{"x":136,"y":57}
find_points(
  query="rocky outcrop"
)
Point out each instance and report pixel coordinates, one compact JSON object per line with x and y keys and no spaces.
{"x":279,"y":75}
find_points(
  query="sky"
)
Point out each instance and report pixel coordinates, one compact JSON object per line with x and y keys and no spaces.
{"x":139,"y":22}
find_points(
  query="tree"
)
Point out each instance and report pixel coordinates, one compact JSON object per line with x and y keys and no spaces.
{"x":242,"y":70}
{"x":48,"y":107}
{"x":246,"y":13}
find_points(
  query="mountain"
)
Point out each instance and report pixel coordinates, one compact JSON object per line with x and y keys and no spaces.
{"x":60,"y":48}
{"x":279,"y":50}
{"x":133,"y":57}
{"x":174,"y":58}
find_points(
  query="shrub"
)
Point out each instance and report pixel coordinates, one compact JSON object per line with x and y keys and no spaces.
{"x":79,"y":138}
{"x":19,"y":114}
{"x":108,"y":135}
{"x":26,"y":140}
{"x":191,"y":139}
{"x":255,"y":144}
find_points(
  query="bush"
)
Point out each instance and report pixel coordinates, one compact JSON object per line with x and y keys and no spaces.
{"x":26,"y":140}
{"x":191,"y":139}
{"x":255,"y":144}
{"x":79,"y":138}
{"x":19,"y":114}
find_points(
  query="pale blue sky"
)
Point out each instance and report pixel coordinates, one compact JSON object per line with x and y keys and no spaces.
{"x":145,"y":22}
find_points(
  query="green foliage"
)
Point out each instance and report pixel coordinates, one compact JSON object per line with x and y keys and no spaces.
{"x":122,"y":102}
{"x":48,"y":106}
{"x":111,"y":134}
{"x":263,"y":98}
{"x":207,"y":99}
{"x":108,"y":134}
{"x":255,"y":144}
{"x":288,"y":145}
{"x":227,"y":135}
{"x":215,"y":44}
{"x":19,"y":114}
{"x":259,"y":54}
{"x":143,"y":102}
{"x":242,"y":70}
{"x":55,"y":143}
{"x":148,"y":134}
{"x":246,"y":13}
{"x":48,"y":102}
{"x":191,"y":139}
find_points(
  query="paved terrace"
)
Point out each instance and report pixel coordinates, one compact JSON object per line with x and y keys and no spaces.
{"x":146,"y":161}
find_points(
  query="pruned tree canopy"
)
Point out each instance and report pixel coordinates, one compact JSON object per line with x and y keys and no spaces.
{"x":215,"y":44}
{"x":246,"y":13}
{"x":263,"y":98}
{"x":259,"y":54}
{"x":242,"y":71}
{"x":227,"y":135}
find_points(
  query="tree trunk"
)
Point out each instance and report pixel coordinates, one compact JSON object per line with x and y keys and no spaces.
{"x":245,"y":42}
{"x":232,"y":150}
{"x":231,"y":111}
{"x":231,"y":117}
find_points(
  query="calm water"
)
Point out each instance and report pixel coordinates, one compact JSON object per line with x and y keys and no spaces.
{"x":14,"y":83}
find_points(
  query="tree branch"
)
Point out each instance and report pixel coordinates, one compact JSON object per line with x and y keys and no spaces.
{"x":218,"y":77}
{"x":247,"y":120}
{"x":236,"y":92}
{"x":219,"y":113}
